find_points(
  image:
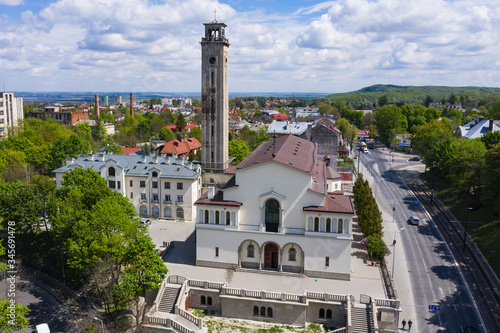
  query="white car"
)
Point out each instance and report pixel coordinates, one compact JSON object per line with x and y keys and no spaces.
{"x":414,"y":220}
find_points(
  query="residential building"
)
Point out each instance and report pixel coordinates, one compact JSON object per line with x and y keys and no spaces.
{"x":476,"y":128}
{"x":63,"y":113}
{"x":110,"y":128}
{"x":179,"y":147}
{"x":280,"y":204}
{"x":11,"y":110}
{"x":157,"y":186}
{"x":326,"y":137}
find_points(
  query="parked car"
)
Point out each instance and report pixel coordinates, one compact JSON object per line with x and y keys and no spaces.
{"x":414,"y":220}
{"x":146,"y":221}
{"x":414,"y":158}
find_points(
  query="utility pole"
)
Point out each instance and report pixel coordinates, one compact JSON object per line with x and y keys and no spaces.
{"x":465,"y":228}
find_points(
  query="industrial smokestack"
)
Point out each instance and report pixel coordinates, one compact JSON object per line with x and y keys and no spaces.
{"x":97,"y":106}
{"x":132,"y":105}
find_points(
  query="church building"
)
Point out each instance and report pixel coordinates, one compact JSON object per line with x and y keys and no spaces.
{"x":282,"y":210}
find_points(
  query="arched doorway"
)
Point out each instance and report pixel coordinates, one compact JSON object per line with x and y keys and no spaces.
{"x":271,"y":256}
{"x":155,"y":211}
{"x":272,"y":217}
{"x":143,"y":211}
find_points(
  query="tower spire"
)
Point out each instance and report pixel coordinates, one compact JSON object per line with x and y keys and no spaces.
{"x":215,"y":15}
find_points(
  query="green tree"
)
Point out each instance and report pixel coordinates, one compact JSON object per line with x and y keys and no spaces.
{"x":427,"y":142}
{"x":390,"y":121}
{"x":166,"y":134}
{"x":382,"y":100}
{"x":238,"y":149}
{"x":181,"y":123}
{"x":490,"y":139}
{"x":491,"y":193}
{"x":68,"y":147}
{"x":195,"y":132}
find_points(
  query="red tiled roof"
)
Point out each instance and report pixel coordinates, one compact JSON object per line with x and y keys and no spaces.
{"x":280,"y":116}
{"x":218,"y":200}
{"x":173,"y":128}
{"x":334,"y":203}
{"x":180,"y":147}
{"x":189,"y":126}
{"x":128,"y":150}
{"x":288,"y":150}
{"x":332,"y":174}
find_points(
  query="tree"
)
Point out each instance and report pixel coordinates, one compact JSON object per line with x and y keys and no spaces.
{"x":181,"y":123}
{"x":144,"y":269}
{"x":68,"y":147}
{"x":490,"y":139}
{"x":238,"y":149}
{"x":428,"y":100}
{"x":428,"y":139}
{"x":166,"y":134}
{"x":382,"y":100}
{"x":343,"y":126}
{"x":491,"y":193}
{"x":325,"y":109}
{"x":390,"y":121}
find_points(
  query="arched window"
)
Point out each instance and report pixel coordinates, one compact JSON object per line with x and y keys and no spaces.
{"x":155,"y":174}
{"x":340,"y":228}
{"x":179,"y":213}
{"x":328,"y":225}
{"x":322,"y":313}
{"x":322,"y":224}
{"x":292,"y":254}
{"x":250,"y":251}
{"x":263,"y":311}
{"x":217,"y":217}
{"x":209,"y":300}
{"x":203,"y":300}
{"x":329,"y":313}
{"x":155,"y":211}
{"x":233,"y":218}
{"x":206,"y":216}
{"x":255,"y":310}
{"x":143,"y":211}
{"x":167,"y":212}
{"x":311,"y":225}
{"x":316,"y":224}
{"x":111,"y":171}
{"x":269,"y":312}
{"x":272,"y":215}
{"x":228,"y":218}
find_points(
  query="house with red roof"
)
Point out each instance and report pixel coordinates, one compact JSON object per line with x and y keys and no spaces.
{"x":179,"y":147}
{"x":280,"y":116}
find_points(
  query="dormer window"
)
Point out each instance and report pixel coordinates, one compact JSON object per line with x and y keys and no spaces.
{"x":155,"y":174}
{"x":111,"y":172}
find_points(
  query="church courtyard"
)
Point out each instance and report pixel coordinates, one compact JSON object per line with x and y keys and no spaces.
{"x":181,"y":258}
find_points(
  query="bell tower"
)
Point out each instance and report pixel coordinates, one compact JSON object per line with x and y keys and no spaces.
{"x":214,"y":99}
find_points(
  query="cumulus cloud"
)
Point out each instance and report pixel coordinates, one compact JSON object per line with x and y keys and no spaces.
{"x":329,"y":46}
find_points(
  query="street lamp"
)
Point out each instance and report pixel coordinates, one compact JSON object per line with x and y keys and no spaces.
{"x":394,"y":254}
{"x":102,"y":324}
{"x":465,"y":228}
{"x":432,"y":191}
{"x":62,"y":264}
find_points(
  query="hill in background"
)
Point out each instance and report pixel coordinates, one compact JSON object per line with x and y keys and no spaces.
{"x":368,"y":96}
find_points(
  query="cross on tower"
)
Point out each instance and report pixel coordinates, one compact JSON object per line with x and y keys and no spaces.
{"x":215,"y":15}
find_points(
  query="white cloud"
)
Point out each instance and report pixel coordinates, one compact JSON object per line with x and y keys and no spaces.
{"x":330,"y":46}
{"x":11,"y":2}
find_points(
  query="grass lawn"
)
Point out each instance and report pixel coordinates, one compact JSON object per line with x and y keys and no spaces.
{"x":483,"y":226}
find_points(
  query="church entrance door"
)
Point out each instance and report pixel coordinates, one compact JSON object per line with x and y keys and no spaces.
{"x":271,"y":256}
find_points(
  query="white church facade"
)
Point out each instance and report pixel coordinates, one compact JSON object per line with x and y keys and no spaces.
{"x":283,"y":210}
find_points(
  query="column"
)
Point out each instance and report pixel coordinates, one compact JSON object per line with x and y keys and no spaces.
{"x":281,"y":260}
{"x":303,"y":262}
{"x":239,"y":256}
{"x":260,"y":259}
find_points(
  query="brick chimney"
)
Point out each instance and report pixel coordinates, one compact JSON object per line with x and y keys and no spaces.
{"x":132,"y":105}
{"x":97,"y":110}
{"x":490,"y":125}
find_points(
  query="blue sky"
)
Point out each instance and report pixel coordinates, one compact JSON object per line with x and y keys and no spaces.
{"x":276,"y":45}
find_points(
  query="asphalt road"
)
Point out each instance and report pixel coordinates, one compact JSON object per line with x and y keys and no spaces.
{"x":432,"y":274}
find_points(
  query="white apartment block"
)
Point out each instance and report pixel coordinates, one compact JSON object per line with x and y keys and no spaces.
{"x":158,"y":186}
{"x":11,"y":109}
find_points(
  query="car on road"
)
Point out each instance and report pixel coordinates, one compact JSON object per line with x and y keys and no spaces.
{"x":365,"y":150}
{"x":414,"y":158}
{"x":414,"y":220}
{"x":146,"y":221}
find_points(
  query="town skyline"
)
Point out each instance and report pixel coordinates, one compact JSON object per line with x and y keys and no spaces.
{"x":292,"y":46}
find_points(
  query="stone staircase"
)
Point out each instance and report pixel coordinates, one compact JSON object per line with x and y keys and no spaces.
{"x":361,"y":320}
{"x":169,"y":298}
